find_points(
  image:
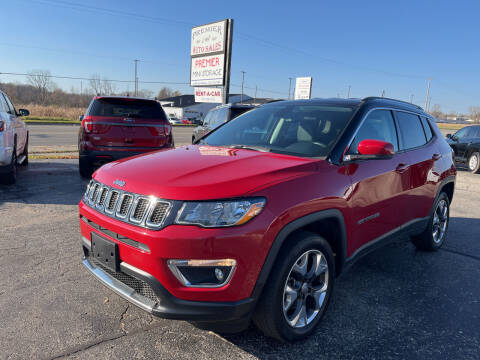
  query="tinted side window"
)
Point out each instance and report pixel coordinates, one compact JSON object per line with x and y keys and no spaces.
{"x":10,"y":107}
{"x":427,"y":128}
{"x":221,"y":116}
{"x":410,"y":130}
{"x":378,"y":125}
{"x":3,"y":104}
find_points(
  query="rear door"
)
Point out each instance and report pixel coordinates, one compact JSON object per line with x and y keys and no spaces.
{"x":379,"y":186}
{"x":125,"y":122}
{"x":416,"y":140}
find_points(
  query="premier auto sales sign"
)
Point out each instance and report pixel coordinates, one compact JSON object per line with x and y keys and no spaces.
{"x":208,"y":54}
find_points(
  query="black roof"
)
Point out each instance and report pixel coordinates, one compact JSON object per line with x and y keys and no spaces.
{"x":356,"y":102}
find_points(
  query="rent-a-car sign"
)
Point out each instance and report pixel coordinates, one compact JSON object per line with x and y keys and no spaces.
{"x":207,"y":70}
{"x":208,"y":95}
{"x":208,"y":39}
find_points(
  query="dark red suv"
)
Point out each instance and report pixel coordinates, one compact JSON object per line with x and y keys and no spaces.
{"x":258,"y":219}
{"x":118,"y":127}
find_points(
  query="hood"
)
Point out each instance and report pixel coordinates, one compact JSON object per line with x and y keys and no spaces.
{"x":196,"y":172}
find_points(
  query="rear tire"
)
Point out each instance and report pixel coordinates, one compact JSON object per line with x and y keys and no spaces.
{"x":85,"y":167}
{"x":11,"y":176}
{"x":298,"y":290}
{"x":473,"y":162}
{"x":434,"y":236}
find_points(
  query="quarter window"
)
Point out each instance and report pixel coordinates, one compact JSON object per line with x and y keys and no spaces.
{"x":10,"y":107}
{"x":427,"y":128}
{"x":3,"y":104}
{"x":378,"y":125}
{"x":410,"y":130}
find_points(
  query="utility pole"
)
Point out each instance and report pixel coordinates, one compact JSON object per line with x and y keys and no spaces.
{"x":255,"y":98}
{"x":383,"y":93}
{"x":411,"y":99}
{"x":427,"y":98}
{"x":81,"y":87}
{"x":289,"y":87}
{"x":349,"y":87}
{"x":136,"y":77}
{"x":228,"y":61}
{"x":243,"y":79}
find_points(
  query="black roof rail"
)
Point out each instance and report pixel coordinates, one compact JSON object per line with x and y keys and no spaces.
{"x":389,"y":99}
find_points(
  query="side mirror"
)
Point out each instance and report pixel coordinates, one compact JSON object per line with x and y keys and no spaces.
{"x":80,"y":118}
{"x":372,"y":149}
{"x":23,"y":112}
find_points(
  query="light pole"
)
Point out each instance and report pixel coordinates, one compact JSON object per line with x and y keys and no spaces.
{"x":136,"y":77}
{"x":243,"y":79}
{"x":427,"y":98}
{"x":348,"y":95}
{"x":289,"y":87}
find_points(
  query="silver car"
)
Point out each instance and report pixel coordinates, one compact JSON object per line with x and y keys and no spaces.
{"x":13,"y":140}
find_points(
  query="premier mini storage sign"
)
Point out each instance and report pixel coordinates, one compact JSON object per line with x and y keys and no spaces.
{"x":208,"y":46}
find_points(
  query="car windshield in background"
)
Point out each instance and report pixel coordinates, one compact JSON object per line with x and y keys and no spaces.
{"x":132,"y":108}
{"x":296,"y":129}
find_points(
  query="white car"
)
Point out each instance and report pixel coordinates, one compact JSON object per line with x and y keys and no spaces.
{"x":13,"y":140}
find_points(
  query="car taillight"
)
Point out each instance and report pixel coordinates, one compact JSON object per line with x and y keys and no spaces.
{"x":95,"y":128}
{"x":2,"y":125}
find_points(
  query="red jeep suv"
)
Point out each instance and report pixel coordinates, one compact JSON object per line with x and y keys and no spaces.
{"x":258,"y":219}
{"x":118,"y":127}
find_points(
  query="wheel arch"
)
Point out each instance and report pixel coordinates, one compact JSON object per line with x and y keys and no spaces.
{"x":329,"y":224}
{"x":447,"y":186}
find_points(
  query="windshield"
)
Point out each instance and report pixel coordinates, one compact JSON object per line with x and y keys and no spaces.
{"x":132,"y":108}
{"x":303,"y":130}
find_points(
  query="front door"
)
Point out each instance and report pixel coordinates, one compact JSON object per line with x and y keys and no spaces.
{"x":379,"y":186}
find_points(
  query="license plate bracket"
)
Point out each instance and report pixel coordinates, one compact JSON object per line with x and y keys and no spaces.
{"x":106,"y":252}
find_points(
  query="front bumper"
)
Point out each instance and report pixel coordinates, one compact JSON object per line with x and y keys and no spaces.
{"x":144,"y":291}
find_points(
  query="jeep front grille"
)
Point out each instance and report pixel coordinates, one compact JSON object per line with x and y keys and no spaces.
{"x":135,"y":209}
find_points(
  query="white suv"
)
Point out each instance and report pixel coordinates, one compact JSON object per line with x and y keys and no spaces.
{"x":13,"y":140}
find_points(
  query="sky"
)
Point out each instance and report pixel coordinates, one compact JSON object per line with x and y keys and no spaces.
{"x":371,"y":46}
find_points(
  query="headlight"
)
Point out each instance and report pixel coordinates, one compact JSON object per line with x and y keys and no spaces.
{"x":219,"y":213}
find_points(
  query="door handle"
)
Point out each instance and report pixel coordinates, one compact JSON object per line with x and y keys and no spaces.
{"x":436,"y":156}
{"x":401,"y":168}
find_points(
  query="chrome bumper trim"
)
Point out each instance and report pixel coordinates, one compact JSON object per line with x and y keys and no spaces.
{"x":120,"y":288}
{"x":86,"y":243}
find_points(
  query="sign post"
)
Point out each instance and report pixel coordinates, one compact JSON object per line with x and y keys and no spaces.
{"x":303,"y":88}
{"x":211,"y":53}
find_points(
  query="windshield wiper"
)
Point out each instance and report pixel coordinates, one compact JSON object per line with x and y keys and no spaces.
{"x":250,"y":147}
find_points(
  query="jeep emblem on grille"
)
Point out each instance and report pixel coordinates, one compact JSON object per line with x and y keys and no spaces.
{"x":119,"y":183}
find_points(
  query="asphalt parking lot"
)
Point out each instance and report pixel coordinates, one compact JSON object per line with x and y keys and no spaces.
{"x":394,"y":303}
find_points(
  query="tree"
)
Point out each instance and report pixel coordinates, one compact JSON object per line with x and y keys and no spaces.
{"x":101,"y":86}
{"x":437,"y":111}
{"x":42,"y":82}
{"x":145,"y":93}
{"x":166,"y":92}
{"x":475,"y":113}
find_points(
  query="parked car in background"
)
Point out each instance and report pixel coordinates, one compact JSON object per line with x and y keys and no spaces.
{"x":259,"y":217}
{"x":218,"y":116}
{"x":174,"y":120}
{"x":466,"y":145}
{"x":185,"y":121}
{"x":118,"y":127}
{"x":13,"y":140}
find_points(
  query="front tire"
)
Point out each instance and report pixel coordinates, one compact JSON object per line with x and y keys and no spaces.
{"x":25,"y":154}
{"x":434,"y":236}
{"x":298,"y":291}
{"x":474,"y":162}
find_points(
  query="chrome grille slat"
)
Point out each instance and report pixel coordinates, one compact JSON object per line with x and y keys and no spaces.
{"x":131,"y":208}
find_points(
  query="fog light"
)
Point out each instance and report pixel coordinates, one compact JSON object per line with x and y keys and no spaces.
{"x":219,"y":274}
{"x":203,"y":273}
